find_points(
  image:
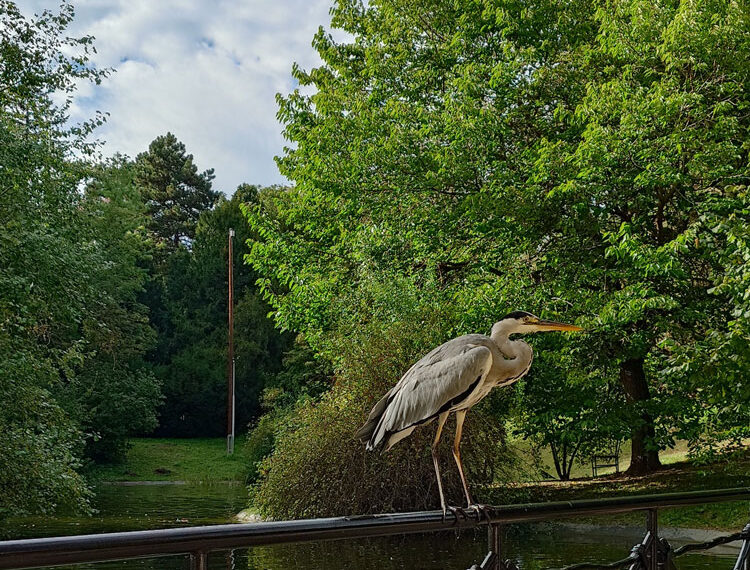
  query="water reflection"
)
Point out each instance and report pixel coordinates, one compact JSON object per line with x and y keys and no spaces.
{"x":139,"y":507}
{"x":532,"y":547}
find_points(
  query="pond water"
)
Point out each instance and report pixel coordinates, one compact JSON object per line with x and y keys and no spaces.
{"x":135,"y":507}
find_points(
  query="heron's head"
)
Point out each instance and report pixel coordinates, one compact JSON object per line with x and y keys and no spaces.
{"x":521,"y":322}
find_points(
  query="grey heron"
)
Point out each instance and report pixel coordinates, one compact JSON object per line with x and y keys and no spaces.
{"x":451,"y":379}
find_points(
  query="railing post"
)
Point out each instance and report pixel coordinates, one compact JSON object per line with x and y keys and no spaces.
{"x":652,"y":523}
{"x":493,"y":538}
{"x":495,"y":560}
{"x":199,"y":560}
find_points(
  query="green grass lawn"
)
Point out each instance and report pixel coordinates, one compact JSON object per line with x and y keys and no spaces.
{"x":582,"y":469}
{"x":191,"y":460}
{"x":676,"y":476}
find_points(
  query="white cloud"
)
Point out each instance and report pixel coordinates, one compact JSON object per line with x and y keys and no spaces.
{"x":207,"y":71}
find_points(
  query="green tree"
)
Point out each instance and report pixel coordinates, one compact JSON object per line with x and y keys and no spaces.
{"x":663,"y":136}
{"x":561,"y":157}
{"x":193,"y":344}
{"x":569,"y":410}
{"x":174,"y":191}
{"x":398,"y":157}
{"x":45,"y":260}
{"x":114,"y":393}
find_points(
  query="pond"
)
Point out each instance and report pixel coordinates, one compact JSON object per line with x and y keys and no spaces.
{"x":136,"y":507}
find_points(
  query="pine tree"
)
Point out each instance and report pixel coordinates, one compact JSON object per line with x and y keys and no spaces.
{"x":174,"y":192}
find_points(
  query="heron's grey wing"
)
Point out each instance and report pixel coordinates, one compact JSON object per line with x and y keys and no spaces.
{"x":430,"y":388}
{"x":365,"y":432}
{"x":454,"y":347}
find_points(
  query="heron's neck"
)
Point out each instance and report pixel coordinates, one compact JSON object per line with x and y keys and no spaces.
{"x":517,"y":351}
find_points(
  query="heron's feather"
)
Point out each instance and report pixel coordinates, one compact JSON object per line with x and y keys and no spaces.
{"x":365,"y":432}
{"x":433,"y":383}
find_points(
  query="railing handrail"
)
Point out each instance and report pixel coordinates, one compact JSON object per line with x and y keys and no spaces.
{"x":38,"y":552}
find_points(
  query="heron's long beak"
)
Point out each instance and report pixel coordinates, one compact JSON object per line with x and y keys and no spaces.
{"x":543,"y":325}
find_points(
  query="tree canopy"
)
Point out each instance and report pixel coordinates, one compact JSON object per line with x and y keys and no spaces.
{"x":449,"y":162}
{"x":47,"y":259}
{"x":191,"y":319}
{"x":174,"y":191}
{"x":581,"y":158}
{"x":86,"y":250}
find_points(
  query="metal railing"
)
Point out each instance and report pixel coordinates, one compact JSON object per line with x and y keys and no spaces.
{"x":198,"y":542}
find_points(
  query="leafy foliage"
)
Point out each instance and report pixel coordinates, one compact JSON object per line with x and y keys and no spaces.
{"x":189,"y":307}
{"x":40,"y":450}
{"x":561,"y":157}
{"x":318,"y":468}
{"x":302,"y":378}
{"x":45,"y":261}
{"x":451,"y":162}
{"x":114,"y":393}
{"x":574,"y":413}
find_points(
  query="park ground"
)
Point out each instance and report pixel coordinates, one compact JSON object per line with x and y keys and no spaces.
{"x":203,"y":460}
{"x":677,"y":475}
{"x":206,"y":461}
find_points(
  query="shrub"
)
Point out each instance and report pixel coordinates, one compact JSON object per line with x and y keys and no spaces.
{"x":260,"y":443}
{"x":40,"y":445}
{"x":303,"y":377}
{"x":318,"y":468}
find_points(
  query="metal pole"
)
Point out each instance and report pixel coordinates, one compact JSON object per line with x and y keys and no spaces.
{"x":230,"y":559}
{"x":652,"y":523}
{"x":493,"y":537}
{"x":199,"y":560}
{"x":230,"y":359}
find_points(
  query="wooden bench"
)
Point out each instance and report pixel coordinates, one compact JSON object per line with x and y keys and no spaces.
{"x":604,"y":460}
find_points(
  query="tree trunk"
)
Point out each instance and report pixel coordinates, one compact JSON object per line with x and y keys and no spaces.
{"x":644,"y":455}
{"x":563,"y":461}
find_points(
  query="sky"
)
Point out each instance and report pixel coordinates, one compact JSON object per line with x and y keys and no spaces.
{"x":207,"y":71}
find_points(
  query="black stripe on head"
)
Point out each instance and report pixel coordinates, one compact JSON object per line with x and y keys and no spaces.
{"x":517,"y":315}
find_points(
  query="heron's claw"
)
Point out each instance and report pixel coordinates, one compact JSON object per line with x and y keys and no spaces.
{"x":480,"y":509}
{"x":455,"y":511}
{"x":458,"y":511}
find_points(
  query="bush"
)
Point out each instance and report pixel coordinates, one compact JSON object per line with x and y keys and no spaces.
{"x":40,"y":446}
{"x":318,"y":467}
{"x":260,"y":443}
{"x":302,"y":378}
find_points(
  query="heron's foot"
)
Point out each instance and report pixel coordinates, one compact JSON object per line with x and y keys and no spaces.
{"x":481,"y":510}
{"x":455,"y":511}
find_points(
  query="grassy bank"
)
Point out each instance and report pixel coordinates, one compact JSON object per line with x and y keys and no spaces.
{"x":679,"y":476}
{"x":190,"y":460}
{"x":582,"y":469}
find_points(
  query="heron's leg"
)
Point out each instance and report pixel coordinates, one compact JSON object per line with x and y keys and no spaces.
{"x":480,"y":509}
{"x":460,"y":416}
{"x":441,"y":422}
